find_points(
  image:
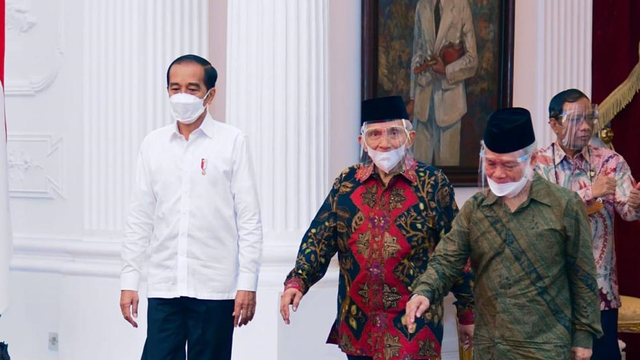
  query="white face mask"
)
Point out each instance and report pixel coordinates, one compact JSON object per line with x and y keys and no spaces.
{"x":186,"y":108}
{"x":510,"y":189}
{"x":386,"y":161}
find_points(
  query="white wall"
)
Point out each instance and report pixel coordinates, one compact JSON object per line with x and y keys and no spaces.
{"x":85,"y":81}
{"x":552,"y":53}
{"x":83,"y":88}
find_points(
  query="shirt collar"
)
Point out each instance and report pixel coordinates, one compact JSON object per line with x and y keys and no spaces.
{"x":366,"y":170}
{"x":537,"y":192}
{"x":207,"y":128}
{"x":208,"y":125}
{"x":560,"y":154}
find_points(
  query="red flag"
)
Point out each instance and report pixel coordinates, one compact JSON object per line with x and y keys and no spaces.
{"x":5,"y":220}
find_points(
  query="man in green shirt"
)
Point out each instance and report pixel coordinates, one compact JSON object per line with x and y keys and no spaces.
{"x":530,"y":247}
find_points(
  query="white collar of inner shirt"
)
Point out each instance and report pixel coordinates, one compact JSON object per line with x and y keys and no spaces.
{"x":206,"y":128}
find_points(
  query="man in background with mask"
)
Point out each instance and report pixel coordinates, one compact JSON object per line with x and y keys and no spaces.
{"x":528,"y":239}
{"x":194,"y":213}
{"x":383,"y":217}
{"x":603,"y":180}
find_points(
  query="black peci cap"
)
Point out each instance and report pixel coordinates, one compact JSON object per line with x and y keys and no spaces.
{"x":383,"y":109}
{"x":509,"y":130}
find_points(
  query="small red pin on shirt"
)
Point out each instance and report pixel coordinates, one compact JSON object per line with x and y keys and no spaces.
{"x":203,"y":166}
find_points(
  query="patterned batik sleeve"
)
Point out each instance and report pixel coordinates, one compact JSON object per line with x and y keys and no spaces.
{"x":624,"y":185}
{"x":540,"y":162}
{"x":451,"y":255}
{"x":318,"y":246}
{"x":581,"y":271}
{"x":462,"y":288}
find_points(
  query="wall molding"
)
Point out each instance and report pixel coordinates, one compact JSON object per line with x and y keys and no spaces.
{"x":34,"y":84}
{"x":36,"y":165}
{"x":100,"y":257}
{"x":20,"y":21}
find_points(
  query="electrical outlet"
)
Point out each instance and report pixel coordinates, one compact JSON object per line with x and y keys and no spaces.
{"x":53,"y":341}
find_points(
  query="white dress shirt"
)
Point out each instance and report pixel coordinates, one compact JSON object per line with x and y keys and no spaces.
{"x":194,"y":215}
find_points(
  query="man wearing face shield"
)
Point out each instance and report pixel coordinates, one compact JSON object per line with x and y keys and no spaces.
{"x":194,"y":212}
{"x":529,"y":244}
{"x":383,"y":217}
{"x":603,"y":180}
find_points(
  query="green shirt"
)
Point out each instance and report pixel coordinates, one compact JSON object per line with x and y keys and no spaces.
{"x":535,"y":278}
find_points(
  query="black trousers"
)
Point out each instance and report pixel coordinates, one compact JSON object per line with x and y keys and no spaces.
{"x":354,"y":357}
{"x":4,"y":351}
{"x":606,"y":348}
{"x":204,"y":326}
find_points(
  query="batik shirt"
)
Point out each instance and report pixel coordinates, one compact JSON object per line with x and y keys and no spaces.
{"x":579,"y":174}
{"x":535,"y":279}
{"x":384,"y":237}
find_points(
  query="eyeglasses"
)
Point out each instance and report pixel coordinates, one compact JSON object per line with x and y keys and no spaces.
{"x":395,"y":135}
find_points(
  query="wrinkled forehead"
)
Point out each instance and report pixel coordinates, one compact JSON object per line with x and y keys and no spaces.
{"x":384,"y":124}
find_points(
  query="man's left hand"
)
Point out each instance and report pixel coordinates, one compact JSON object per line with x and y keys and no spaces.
{"x":465,"y":335}
{"x":634,"y":197}
{"x":578,"y":353}
{"x":245,"y":307}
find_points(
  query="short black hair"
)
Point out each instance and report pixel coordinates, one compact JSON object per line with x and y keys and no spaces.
{"x":557,"y":102}
{"x":210,"y":73}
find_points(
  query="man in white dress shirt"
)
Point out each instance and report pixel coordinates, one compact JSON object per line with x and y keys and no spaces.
{"x":195,"y":216}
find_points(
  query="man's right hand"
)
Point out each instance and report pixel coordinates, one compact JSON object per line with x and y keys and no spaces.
{"x":603,"y":186}
{"x":578,"y":353}
{"x":129,"y":306}
{"x":291,"y":297}
{"x":414,"y":309}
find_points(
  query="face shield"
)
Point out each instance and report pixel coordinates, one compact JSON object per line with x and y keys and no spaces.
{"x":385,"y":143}
{"x":505,"y":174}
{"x":578,"y":125}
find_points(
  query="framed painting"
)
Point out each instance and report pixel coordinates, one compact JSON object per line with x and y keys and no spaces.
{"x":451,"y":61}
